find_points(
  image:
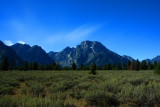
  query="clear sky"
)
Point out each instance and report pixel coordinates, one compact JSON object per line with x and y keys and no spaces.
{"x":127,"y":27}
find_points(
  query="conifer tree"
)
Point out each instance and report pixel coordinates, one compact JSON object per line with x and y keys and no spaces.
{"x":93,"y":68}
{"x":58,"y":67}
{"x":155,"y":63}
{"x":124,"y":66}
{"x":129,"y":65}
{"x":74,"y":66}
{"x":132,"y":67}
{"x":35,"y":66}
{"x":53,"y":65}
{"x":119,"y":67}
{"x":137,"y":65}
{"x":41,"y":67}
{"x":144,"y":65}
{"x":81,"y":67}
{"x":150,"y":66}
{"x":26,"y":66}
{"x":5,"y":64}
{"x":157,"y":68}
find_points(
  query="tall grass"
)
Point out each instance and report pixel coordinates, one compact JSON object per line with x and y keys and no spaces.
{"x":79,"y":89}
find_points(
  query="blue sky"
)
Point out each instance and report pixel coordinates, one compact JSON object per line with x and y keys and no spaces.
{"x":127,"y":27}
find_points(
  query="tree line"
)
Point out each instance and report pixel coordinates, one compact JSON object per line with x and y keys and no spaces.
{"x":130,"y":65}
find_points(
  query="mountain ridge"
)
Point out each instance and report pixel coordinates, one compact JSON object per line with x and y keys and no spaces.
{"x":86,"y":53}
{"x":32,"y":54}
{"x":7,"y":51}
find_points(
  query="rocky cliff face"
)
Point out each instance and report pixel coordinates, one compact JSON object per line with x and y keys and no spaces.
{"x":86,"y":53}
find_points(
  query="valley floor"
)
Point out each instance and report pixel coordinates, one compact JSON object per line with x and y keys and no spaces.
{"x":79,"y":89}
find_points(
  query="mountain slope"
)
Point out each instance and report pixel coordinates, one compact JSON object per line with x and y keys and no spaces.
{"x":32,"y":54}
{"x":86,"y":53}
{"x":128,"y":57}
{"x":13,"y":58}
{"x":157,"y":59}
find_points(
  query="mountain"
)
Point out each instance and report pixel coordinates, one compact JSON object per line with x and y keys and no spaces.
{"x":128,"y":57}
{"x":52,"y":54}
{"x":65,"y":57}
{"x":86,"y":53}
{"x":157,"y":59}
{"x":32,"y":54}
{"x":21,"y":50}
{"x":148,"y":60}
{"x":14,"y":59}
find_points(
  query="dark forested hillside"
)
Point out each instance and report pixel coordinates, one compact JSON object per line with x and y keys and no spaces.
{"x":32,"y":54}
{"x":13,"y":58}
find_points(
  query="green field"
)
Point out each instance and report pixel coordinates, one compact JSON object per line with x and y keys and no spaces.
{"x":79,"y":89}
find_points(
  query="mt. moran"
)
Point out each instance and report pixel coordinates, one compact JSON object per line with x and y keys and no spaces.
{"x":86,"y":53}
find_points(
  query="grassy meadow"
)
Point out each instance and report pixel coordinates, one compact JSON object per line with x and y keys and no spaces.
{"x":79,"y":89}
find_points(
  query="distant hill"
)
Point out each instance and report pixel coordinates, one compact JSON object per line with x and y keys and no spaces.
{"x":32,"y":54}
{"x":14,"y":59}
{"x":86,"y":53}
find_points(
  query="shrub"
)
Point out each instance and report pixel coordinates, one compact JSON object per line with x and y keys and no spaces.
{"x":62,"y":86}
{"x":157,"y":69}
{"x":140,"y":95}
{"x":83,"y":86}
{"x":24,"y":90}
{"x":100,"y":98}
{"x":111,"y":87}
{"x":10,"y":82}
{"x":7,"y":101}
{"x":77,"y":94}
{"x":4,"y":90}
{"x":137,"y":81}
{"x":36,"y":89}
{"x":93,"y":69}
{"x":152,"y":90}
{"x":60,"y":89}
